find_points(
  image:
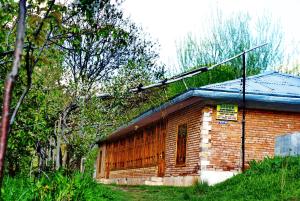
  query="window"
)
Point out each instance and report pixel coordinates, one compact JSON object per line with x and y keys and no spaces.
{"x":181,"y":144}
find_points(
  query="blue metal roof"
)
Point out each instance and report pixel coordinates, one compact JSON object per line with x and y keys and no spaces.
{"x":269,"y":83}
{"x":270,"y":90}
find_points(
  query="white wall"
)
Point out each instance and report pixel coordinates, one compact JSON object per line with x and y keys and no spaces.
{"x":214,"y":177}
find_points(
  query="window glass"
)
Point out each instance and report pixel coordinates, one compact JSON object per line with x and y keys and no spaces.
{"x":181,"y":144}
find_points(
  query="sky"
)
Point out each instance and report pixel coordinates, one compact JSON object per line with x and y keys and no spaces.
{"x":169,"y":21}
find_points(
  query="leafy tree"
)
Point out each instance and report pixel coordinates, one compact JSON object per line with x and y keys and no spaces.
{"x":32,"y":135}
{"x":37,"y":20}
{"x":230,"y":36}
{"x":70,"y":54}
{"x":9,"y":85}
{"x":103,"y":46}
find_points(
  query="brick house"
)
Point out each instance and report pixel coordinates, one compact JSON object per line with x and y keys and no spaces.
{"x":197,"y":135}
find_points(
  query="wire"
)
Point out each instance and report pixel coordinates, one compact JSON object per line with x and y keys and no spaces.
{"x":184,"y":75}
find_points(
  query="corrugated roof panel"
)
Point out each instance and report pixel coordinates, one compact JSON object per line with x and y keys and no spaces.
{"x":266,"y":83}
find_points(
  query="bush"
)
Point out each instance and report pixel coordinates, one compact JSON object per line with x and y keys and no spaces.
{"x":56,"y":186}
{"x":274,"y":165}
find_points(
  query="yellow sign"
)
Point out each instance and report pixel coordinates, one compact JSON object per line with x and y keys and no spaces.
{"x":227,"y":112}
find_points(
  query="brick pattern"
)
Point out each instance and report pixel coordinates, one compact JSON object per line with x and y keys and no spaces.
{"x":262,"y":127}
{"x":134,"y":173}
{"x":192,"y":116}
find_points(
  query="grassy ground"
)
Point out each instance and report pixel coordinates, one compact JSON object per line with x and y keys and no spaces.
{"x":272,"y":179}
{"x":59,"y":187}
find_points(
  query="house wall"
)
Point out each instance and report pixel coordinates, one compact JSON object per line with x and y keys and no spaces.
{"x":140,"y":154}
{"x":224,"y":144}
{"x":135,"y":172}
{"x":192,"y":116}
{"x":214,"y":146}
{"x":185,"y":174}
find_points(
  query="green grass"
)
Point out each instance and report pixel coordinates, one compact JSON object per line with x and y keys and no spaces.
{"x":59,"y":187}
{"x":271,"y":179}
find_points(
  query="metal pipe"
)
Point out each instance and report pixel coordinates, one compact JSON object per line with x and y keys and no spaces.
{"x":244,"y":111}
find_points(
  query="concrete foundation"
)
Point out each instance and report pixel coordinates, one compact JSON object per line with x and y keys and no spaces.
{"x":154,"y":181}
{"x":209,"y":176}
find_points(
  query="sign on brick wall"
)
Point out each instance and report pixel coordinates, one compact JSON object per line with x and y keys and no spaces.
{"x":228,"y":112}
{"x":287,"y":145}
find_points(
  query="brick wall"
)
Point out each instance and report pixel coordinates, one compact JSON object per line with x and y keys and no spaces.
{"x":262,"y":127}
{"x":216,"y":145}
{"x":134,"y":173}
{"x":192,"y":116}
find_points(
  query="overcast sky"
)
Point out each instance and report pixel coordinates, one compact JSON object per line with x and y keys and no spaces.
{"x":169,"y":21}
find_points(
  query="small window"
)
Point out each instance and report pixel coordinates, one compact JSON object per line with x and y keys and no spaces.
{"x":181,"y":144}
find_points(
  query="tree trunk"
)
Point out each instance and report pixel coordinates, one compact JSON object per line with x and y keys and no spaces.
{"x":9,"y":85}
{"x":58,"y":143}
{"x":64,"y":155}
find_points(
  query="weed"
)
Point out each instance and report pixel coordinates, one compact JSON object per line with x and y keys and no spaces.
{"x":201,"y":187}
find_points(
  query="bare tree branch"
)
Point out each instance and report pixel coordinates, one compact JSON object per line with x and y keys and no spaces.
{"x":26,"y":90}
{"x":45,"y":17}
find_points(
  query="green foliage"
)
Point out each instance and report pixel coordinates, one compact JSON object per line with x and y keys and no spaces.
{"x":274,"y":165}
{"x":220,"y":74}
{"x":60,"y":185}
{"x":102,"y":47}
{"x":271,"y":179}
{"x":226,"y":38}
{"x":201,"y":187}
{"x":35,"y":122}
{"x":57,"y":186}
{"x":104,"y":53}
{"x":229,"y":36}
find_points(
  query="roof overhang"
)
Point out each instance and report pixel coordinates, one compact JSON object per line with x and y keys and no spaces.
{"x":253,"y":100}
{"x":155,"y":114}
{"x":206,"y":97}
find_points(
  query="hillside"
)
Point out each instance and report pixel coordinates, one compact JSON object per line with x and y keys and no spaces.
{"x":271,"y":179}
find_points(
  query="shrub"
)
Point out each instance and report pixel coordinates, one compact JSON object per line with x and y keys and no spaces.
{"x":56,"y":186}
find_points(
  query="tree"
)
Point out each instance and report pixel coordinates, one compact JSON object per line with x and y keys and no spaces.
{"x":70,"y":54}
{"x":230,"y":36}
{"x":40,"y":21}
{"x":31,"y":140}
{"x":102,"y":46}
{"x":9,"y":84}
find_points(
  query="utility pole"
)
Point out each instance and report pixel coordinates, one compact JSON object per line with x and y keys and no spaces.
{"x":243,"y":110}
